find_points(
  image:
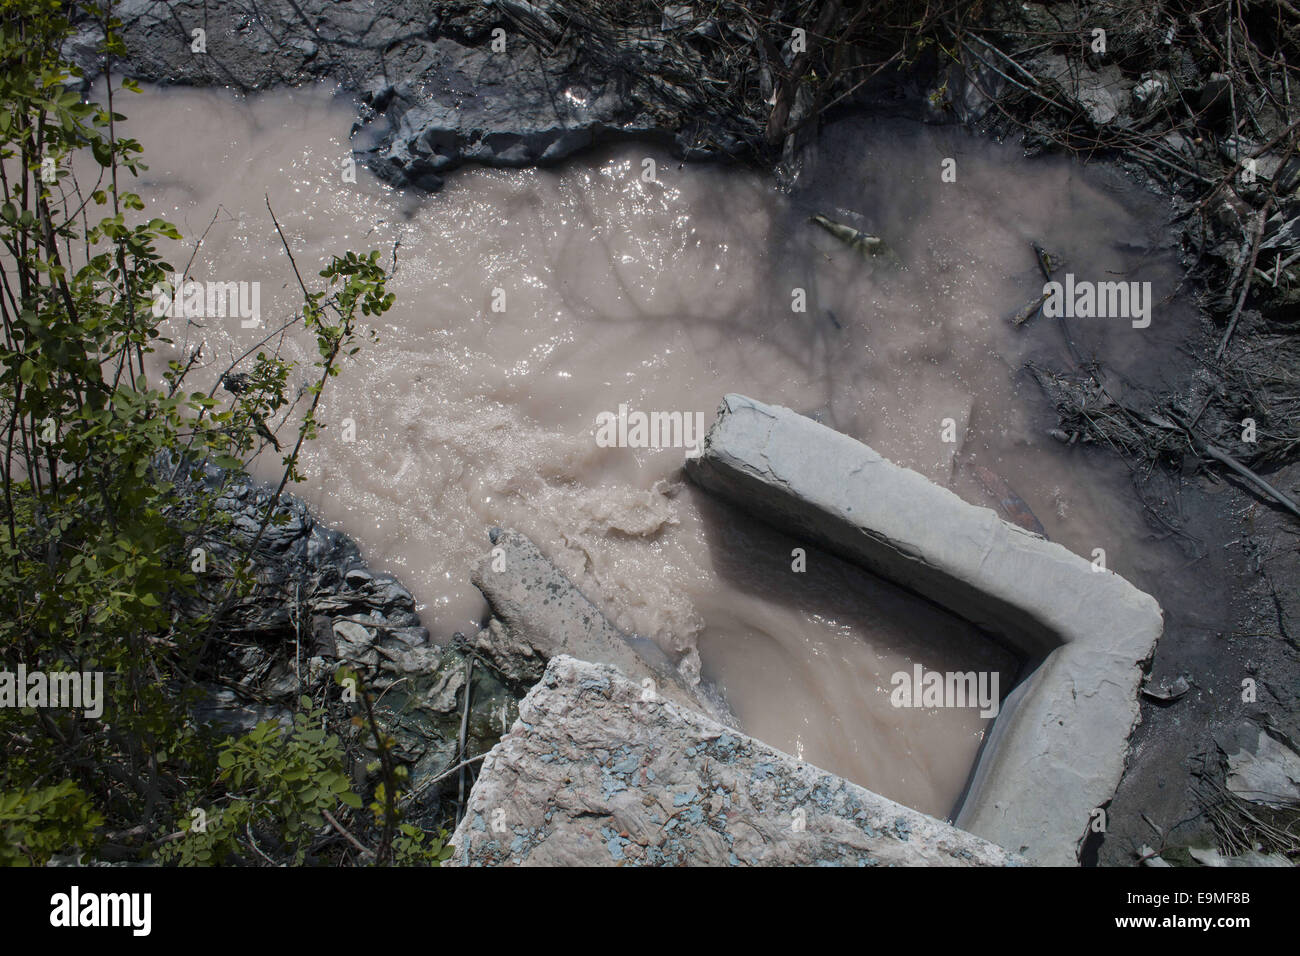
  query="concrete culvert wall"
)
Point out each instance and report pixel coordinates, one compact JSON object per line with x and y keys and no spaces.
{"x":1058,"y":747}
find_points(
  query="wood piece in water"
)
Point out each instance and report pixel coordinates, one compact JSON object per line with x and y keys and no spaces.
{"x":1010,"y":505}
{"x":1048,"y":262}
{"x":870,"y":247}
{"x":1028,"y":310}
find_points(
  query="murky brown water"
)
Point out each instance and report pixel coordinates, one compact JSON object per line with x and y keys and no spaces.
{"x":665,"y":295}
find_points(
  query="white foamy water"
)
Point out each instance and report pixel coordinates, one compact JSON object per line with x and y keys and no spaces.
{"x":664,"y":296}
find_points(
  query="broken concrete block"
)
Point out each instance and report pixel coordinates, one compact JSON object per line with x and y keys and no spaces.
{"x":1261,"y":768}
{"x":1057,"y":750}
{"x":595,"y":774}
{"x":1212,"y":857}
{"x":545,"y":610}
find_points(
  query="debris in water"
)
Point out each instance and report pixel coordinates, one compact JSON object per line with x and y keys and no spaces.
{"x":1168,"y":691}
{"x":1150,"y":857}
{"x":1048,"y":263}
{"x":1028,"y":310}
{"x":873,"y":247}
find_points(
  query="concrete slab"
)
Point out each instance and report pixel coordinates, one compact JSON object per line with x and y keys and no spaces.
{"x":595,"y":774}
{"x":544,"y":609}
{"x":1058,"y":747}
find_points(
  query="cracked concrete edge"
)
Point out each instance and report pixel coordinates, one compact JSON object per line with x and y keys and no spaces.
{"x":539,"y":605}
{"x":1058,"y":748}
{"x":595,"y":774}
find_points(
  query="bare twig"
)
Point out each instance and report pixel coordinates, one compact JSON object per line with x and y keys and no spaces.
{"x":1224,"y":458}
{"x":1256,"y":233}
{"x":342,"y":831}
{"x":464,"y":728}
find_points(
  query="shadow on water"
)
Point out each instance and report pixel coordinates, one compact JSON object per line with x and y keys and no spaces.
{"x":744,"y":652}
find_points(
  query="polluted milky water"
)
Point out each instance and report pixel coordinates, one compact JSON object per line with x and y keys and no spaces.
{"x":540,"y":312}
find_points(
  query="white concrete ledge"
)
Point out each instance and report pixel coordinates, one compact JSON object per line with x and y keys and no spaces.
{"x":1057,"y":749}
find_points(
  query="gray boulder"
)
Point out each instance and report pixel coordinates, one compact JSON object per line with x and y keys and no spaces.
{"x":597,"y":773}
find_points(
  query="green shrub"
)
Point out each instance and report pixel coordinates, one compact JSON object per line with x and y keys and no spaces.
{"x":97,"y":517}
{"x":36,"y":824}
{"x":275,"y":780}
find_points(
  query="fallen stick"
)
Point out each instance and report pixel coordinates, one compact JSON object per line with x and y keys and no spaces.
{"x":1046,"y":264}
{"x":441,"y":777}
{"x":1256,"y":234}
{"x":1028,"y":310}
{"x":1224,"y":458}
{"x":464,"y":727}
{"x":363,"y":850}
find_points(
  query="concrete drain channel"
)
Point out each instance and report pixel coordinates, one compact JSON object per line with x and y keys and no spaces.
{"x":1056,"y":751}
{"x":1058,"y":746}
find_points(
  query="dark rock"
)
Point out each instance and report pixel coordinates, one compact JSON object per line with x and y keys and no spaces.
{"x":433,"y":93}
{"x":322,"y":632}
{"x":317,"y":600}
{"x":1214,"y":101}
{"x":234,"y":714}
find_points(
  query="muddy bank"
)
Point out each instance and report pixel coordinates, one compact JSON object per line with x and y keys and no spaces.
{"x":506,"y":83}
